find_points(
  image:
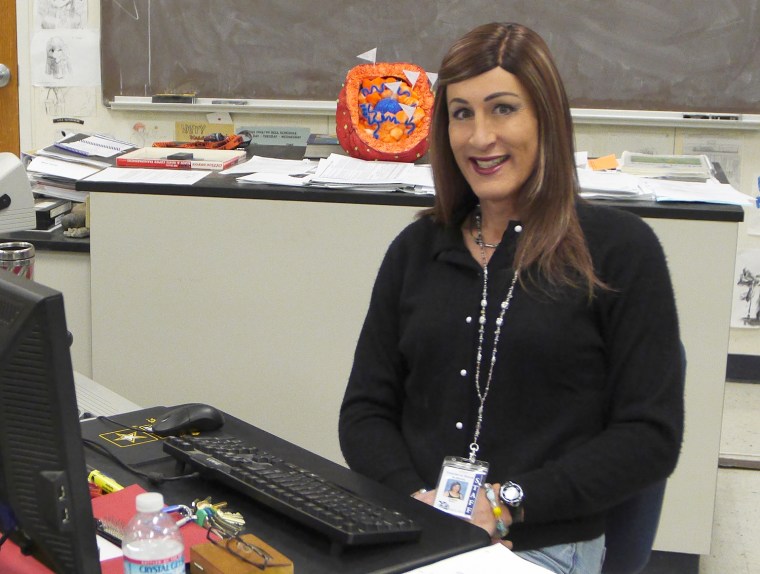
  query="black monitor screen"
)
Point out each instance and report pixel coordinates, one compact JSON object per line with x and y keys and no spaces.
{"x":44,"y":498}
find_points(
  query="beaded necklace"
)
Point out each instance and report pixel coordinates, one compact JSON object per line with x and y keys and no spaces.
{"x":483,"y":392}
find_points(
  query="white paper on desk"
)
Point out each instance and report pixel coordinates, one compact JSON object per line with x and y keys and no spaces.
{"x":139,"y":175}
{"x":72,"y":158}
{"x":273,"y":165}
{"x":107,"y":550}
{"x":493,"y":558}
{"x":59,"y":168}
{"x":581,"y":159}
{"x":418,"y":180}
{"x":275,"y":179}
{"x":707,"y":192}
{"x":346,"y":170}
{"x":419,"y":176}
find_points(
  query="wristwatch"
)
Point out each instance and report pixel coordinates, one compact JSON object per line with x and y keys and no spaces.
{"x":512,"y":495}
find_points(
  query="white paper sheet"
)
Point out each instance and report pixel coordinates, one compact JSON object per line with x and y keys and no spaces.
{"x":275,"y":179}
{"x":139,"y":175}
{"x":348,"y":170}
{"x":58,"y":168}
{"x":273,"y":165}
{"x":611,"y":185}
{"x":708,"y":192}
{"x":494,"y":558}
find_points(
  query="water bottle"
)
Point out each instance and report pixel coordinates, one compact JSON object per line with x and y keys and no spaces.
{"x":152,"y":542}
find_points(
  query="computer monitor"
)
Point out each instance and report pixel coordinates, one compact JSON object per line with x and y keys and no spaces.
{"x":45,"y":504}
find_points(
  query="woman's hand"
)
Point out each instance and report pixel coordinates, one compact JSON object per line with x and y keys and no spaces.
{"x":426,"y":496}
{"x":482,"y":515}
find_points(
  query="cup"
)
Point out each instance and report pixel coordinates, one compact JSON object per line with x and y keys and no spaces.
{"x":18,"y":258}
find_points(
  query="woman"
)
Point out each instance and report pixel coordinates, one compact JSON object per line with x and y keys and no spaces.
{"x":517,"y":324}
{"x":455,"y":490}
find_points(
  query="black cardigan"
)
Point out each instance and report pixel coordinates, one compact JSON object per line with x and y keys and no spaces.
{"x":586,"y":403}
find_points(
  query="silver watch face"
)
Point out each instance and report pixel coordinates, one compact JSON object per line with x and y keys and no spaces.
{"x":511,"y":494}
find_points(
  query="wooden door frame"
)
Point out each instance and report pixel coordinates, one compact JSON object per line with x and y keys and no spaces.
{"x":10,"y":135}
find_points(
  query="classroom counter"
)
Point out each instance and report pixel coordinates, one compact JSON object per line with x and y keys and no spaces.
{"x":226,"y":186}
{"x":49,"y":240}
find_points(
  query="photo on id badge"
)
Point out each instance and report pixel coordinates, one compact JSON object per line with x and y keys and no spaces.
{"x":458,"y":486}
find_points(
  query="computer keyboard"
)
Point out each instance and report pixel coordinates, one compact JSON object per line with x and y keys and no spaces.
{"x":344,"y":517}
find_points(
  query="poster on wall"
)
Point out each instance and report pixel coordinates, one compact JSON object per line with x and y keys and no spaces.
{"x":745,"y":308}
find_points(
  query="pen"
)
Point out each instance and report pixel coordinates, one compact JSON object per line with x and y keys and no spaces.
{"x":103,"y":481}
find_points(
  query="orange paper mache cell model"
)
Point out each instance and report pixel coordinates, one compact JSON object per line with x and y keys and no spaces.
{"x":382,"y":115}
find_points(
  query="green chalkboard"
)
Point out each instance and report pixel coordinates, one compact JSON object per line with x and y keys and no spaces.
{"x":612,"y":54}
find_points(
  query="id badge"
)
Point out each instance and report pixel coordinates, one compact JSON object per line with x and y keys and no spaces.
{"x":458,"y":485}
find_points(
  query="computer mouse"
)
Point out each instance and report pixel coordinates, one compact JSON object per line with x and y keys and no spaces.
{"x":188,"y":418}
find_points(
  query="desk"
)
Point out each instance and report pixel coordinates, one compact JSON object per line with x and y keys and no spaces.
{"x":442,"y":535}
{"x":252,"y":297}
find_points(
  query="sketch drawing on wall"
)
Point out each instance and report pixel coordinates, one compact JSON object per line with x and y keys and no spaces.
{"x":751,"y":281}
{"x":55,"y":14}
{"x":57,"y":61}
{"x":745,"y":307}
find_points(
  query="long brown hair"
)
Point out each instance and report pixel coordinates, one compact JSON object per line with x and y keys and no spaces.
{"x":552,"y":244}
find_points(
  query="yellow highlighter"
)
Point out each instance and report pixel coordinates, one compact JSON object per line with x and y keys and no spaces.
{"x":103,"y":481}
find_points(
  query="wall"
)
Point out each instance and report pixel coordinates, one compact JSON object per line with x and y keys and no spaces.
{"x":69,"y":273}
{"x":39,"y":106}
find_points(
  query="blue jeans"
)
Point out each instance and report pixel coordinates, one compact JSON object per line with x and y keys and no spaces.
{"x":576,"y":558}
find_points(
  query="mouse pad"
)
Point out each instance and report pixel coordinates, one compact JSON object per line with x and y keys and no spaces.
{"x":134,"y":446}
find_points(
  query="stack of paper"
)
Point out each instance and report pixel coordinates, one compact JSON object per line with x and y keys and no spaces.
{"x":259,"y":164}
{"x":678,"y":167}
{"x":55,"y":177}
{"x":703,"y":192}
{"x":339,"y":172}
{"x":684,"y":178}
{"x":54,"y":170}
{"x":612,"y":185}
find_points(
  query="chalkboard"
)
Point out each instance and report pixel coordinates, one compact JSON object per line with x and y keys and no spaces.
{"x":612,"y":54}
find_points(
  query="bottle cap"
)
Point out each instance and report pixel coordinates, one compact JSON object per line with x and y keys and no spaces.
{"x":149,"y":502}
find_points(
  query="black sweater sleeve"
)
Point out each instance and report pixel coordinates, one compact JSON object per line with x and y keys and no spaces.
{"x":369,"y":428}
{"x":645,"y":373}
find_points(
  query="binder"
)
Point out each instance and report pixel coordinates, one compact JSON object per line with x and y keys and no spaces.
{"x":95,"y":145}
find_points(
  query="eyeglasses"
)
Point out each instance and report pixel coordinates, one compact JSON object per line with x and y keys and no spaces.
{"x":235,"y":545}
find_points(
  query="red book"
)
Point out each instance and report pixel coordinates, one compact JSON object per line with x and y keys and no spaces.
{"x":181,"y":158}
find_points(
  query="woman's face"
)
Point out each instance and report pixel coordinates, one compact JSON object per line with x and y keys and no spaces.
{"x":56,"y":53}
{"x":493,"y":131}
